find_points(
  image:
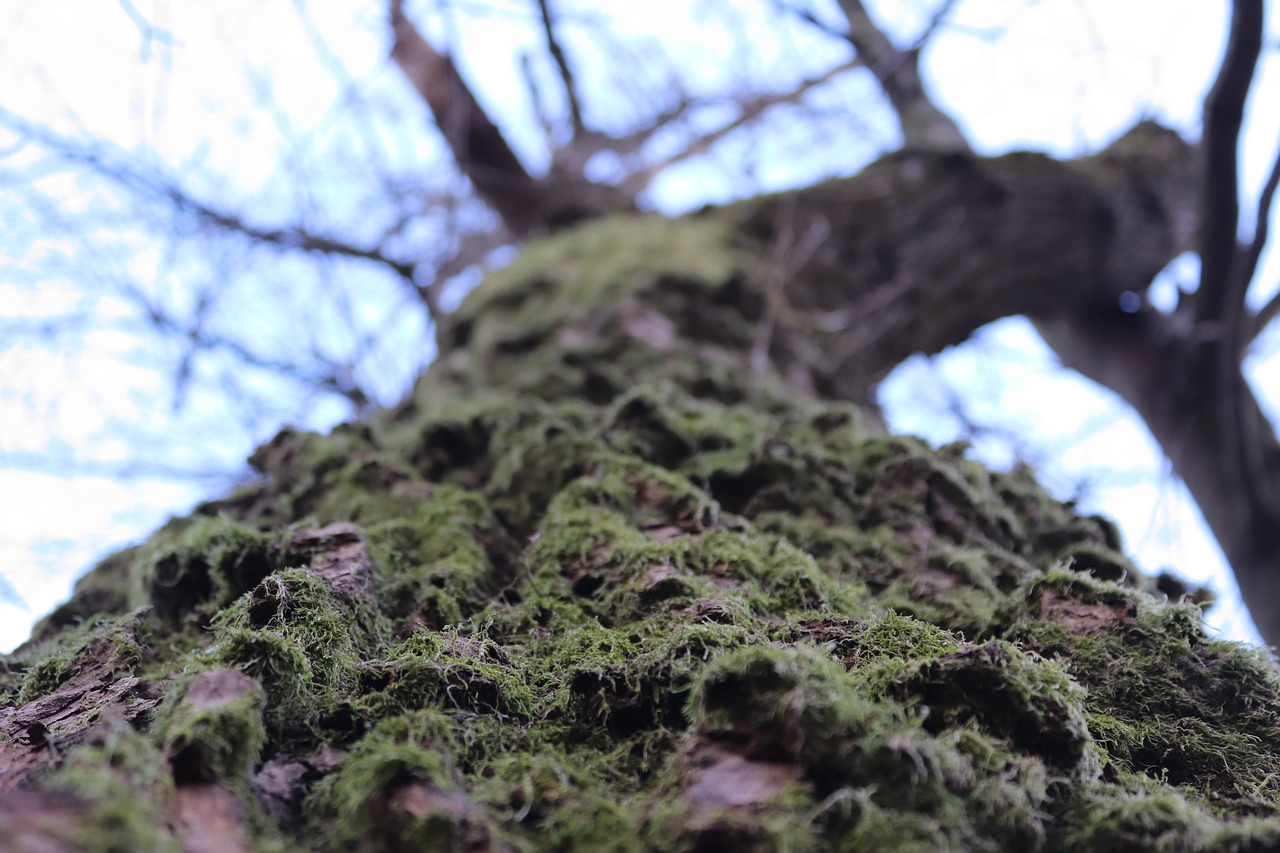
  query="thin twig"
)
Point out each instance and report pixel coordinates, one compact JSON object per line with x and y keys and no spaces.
{"x":562,"y":65}
{"x":288,"y":238}
{"x":749,"y":112}
{"x":785,"y":258}
{"x":1249,"y":263}
{"x":1268,"y":313}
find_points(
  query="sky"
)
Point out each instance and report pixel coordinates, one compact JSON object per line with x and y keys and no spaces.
{"x":232,"y":109}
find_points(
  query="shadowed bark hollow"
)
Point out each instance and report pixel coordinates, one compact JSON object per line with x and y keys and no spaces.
{"x":629,"y":571}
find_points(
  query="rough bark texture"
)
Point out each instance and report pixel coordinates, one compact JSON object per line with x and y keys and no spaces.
{"x":625,"y":573}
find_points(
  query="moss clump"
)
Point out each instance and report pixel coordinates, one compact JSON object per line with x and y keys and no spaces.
{"x":92,"y":653}
{"x":119,"y":787}
{"x":212,"y":729}
{"x":204,"y":565}
{"x":399,"y":790}
{"x":444,"y":670}
{"x":434,"y":564}
{"x":1166,"y":702}
{"x":598,"y":585}
{"x":882,"y":779}
{"x":301,"y":642}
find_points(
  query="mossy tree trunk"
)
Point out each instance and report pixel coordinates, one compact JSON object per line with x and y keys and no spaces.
{"x":628,"y":571}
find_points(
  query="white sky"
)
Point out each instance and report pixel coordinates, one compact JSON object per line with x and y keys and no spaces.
{"x":1056,"y":75}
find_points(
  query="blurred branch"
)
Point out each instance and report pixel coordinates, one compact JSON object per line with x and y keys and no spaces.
{"x":924,"y":126}
{"x":749,"y":111}
{"x":160,"y":186}
{"x":478,"y":147}
{"x":1221,"y":292}
{"x":150,"y":32}
{"x":287,"y":238}
{"x":337,"y":378}
{"x":1268,"y":313}
{"x":140,"y":468}
{"x":562,"y":65}
{"x":787,"y":254}
{"x":1226,"y":268}
{"x":1258,"y":243}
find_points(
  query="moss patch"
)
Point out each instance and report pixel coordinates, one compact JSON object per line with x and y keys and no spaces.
{"x":599,"y":585}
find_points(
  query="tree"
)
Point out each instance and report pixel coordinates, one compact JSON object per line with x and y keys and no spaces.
{"x":627,"y":569}
{"x":963,"y":243}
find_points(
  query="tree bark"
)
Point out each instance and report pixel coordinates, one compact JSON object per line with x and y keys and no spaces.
{"x":628,"y":571}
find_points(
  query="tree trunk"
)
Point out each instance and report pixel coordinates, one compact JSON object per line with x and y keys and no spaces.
{"x":629,"y":571}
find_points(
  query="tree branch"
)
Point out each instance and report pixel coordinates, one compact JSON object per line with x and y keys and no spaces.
{"x":1254,"y":251}
{"x":562,"y":65}
{"x":1268,"y":313}
{"x":1225,"y":270}
{"x":749,"y":111}
{"x":1220,"y":293}
{"x":144,"y":184}
{"x":923,"y":124}
{"x":287,"y":238}
{"x":1136,"y":356}
{"x":478,"y":146}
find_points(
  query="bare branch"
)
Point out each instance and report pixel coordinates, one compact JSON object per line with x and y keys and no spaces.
{"x":1254,"y":251}
{"x":1268,"y":313}
{"x":1220,"y":292}
{"x":472,"y":250}
{"x":939,"y":18}
{"x":336,"y":378}
{"x":288,"y":238}
{"x":562,"y":65}
{"x":787,"y":255}
{"x":1224,"y":266}
{"x":535,"y":95}
{"x":750,"y":110}
{"x":159,"y":186}
{"x":150,"y":32}
{"x":478,"y":146}
{"x":923,"y":124}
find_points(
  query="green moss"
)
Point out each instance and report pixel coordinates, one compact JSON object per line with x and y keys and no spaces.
{"x":97,"y":650}
{"x":398,"y":789}
{"x":212,"y":727}
{"x":301,"y":642}
{"x":1166,"y":702}
{"x":433,"y":563}
{"x":586,"y":271}
{"x":1109,"y":821}
{"x":628,"y":594}
{"x":551,"y":796}
{"x":798,"y":704}
{"x":449,"y":670}
{"x":120,"y":787}
{"x":203,"y":566}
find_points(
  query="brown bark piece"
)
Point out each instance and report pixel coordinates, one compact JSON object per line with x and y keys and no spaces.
{"x":282,"y":782}
{"x":209,"y":819}
{"x":721,"y":775}
{"x":218,"y":687}
{"x":37,"y":821}
{"x":1084,"y":617}
{"x":335,"y":554}
{"x":66,"y":719}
